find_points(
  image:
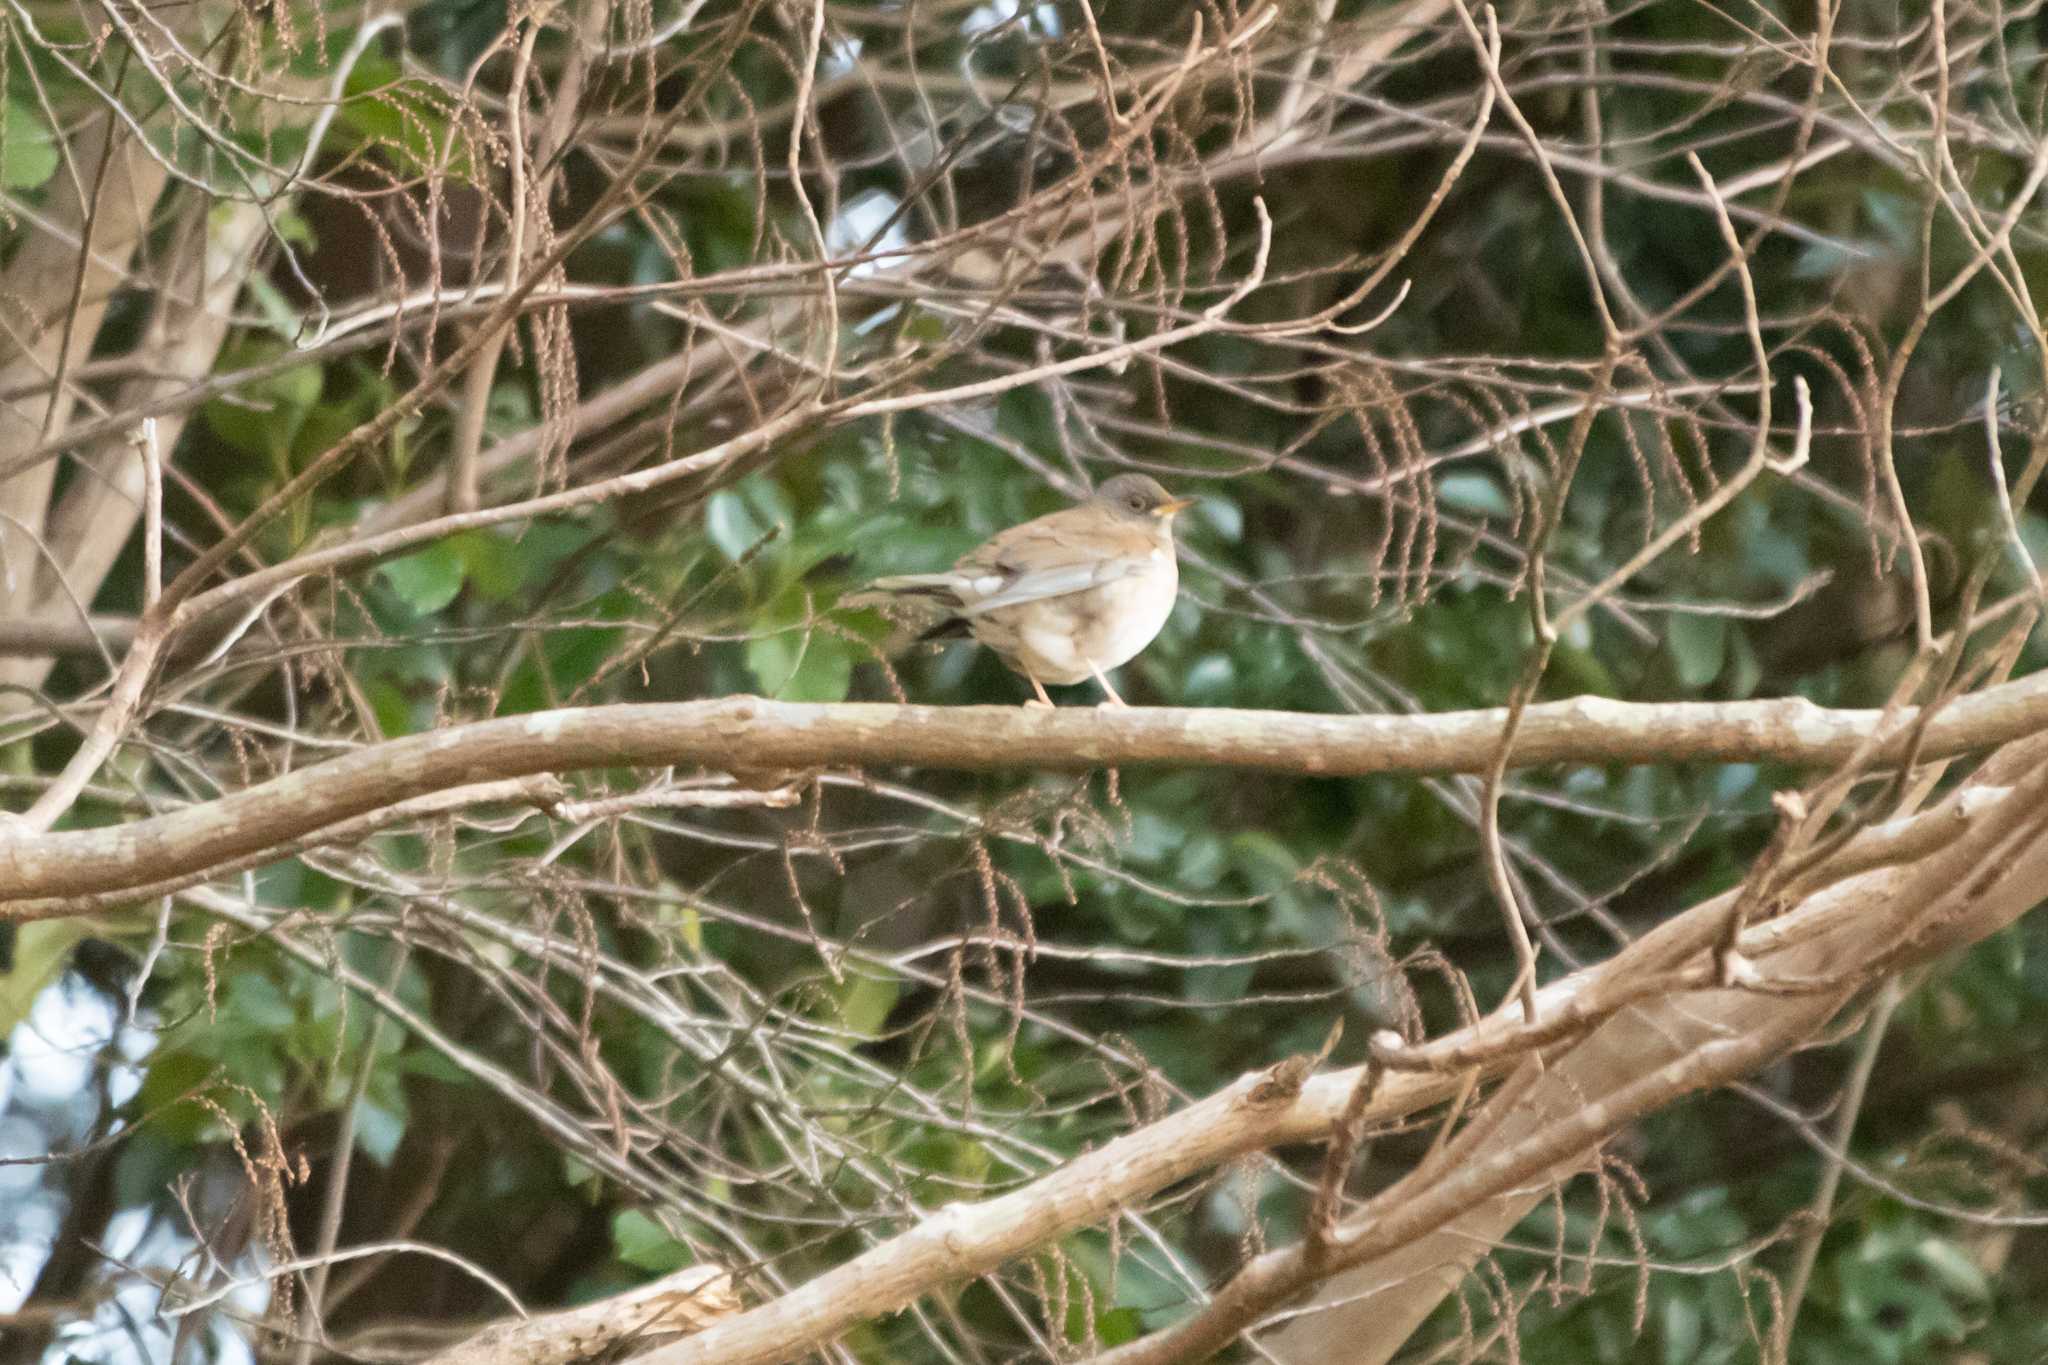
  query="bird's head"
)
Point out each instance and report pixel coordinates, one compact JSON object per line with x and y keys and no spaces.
{"x":1139,"y":497}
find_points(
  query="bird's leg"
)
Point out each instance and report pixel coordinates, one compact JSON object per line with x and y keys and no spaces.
{"x":1112,"y":698}
{"x":1044,"y":703}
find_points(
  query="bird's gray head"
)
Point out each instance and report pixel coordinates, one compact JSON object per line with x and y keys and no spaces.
{"x":1139,"y":498}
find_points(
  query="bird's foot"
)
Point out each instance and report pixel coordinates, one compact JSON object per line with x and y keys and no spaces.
{"x":1034,"y":704}
{"x":1109,"y":696}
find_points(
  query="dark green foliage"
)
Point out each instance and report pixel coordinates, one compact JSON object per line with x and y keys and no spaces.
{"x":894,"y":991}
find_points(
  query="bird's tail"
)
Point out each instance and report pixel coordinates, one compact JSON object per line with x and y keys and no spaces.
{"x":938,"y":587}
{"x":921,"y":605}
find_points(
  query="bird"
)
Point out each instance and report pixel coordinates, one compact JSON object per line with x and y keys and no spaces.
{"x":1067,"y":596}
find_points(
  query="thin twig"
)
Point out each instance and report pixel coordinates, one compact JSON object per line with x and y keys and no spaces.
{"x":1820,"y":1212}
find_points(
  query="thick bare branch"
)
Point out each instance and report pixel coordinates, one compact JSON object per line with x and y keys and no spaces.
{"x":1807,"y":962}
{"x":650,"y":1315}
{"x":771,"y":736}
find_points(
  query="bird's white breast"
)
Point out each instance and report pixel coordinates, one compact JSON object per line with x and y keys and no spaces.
{"x":1068,"y":639}
{"x":1135,"y":610}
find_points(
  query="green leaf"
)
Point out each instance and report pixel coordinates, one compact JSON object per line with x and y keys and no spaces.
{"x":490,"y":562}
{"x":732,"y":526}
{"x":254,"y":1004}
{"x":1202,"y":861}
{"x":431,"y":1064}
{"x":389,"y":706}
{"x":262,"y":417}
{"x":426,"y":581}
{"x":1209,"y":682}
{"x":322,"y":427}
{"x":41,"y":948}
{"x":1222,"y":515}
{"x":1896,"y":218}
{"x":1699,"y":646}
{"x":409,"y":132}
{"x":1217,"y":983}
{"x":28,"y":153}
{"x":1747,"y":670}
{"x":1955,"y":1269}
{"x":797,"y":665}
{"x":172,"y":1076}
{"x":864,"y":1001}
{"x":291,"y":227}
{"x":252,"y":1065}
{"x":1681,"y":1330}
{"x":1478,"y":495}
{"x":567,"y":659}
{"x":1266,"y":863}
{"x":641,"y":1241}
{"x":1118,"y":1326}
{"x":950,"y":1154}
{"x":379,"y":1129}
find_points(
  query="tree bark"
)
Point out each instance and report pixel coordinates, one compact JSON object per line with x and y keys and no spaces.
{"x":49,"y":874}
{"x":617,"y":1328}
{"x":1955,"y":874}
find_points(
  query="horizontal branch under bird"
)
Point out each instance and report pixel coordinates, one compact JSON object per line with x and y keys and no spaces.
{"x":38,"y":871}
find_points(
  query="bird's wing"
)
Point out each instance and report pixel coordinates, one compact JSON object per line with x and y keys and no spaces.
{"x":1032,"y":562}
{"x":1035,"y":585}
{"x":1049,"y":557}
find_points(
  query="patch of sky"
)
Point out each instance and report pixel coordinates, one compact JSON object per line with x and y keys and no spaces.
{"x":858,"y":221}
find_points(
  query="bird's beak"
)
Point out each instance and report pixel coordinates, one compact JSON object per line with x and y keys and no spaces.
{"x":1168,"y":509}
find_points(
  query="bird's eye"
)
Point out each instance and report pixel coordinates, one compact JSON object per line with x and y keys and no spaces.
{"x":1135,"y":503}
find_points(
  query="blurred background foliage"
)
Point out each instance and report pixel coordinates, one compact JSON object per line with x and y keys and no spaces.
{"x":907,"y":987}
